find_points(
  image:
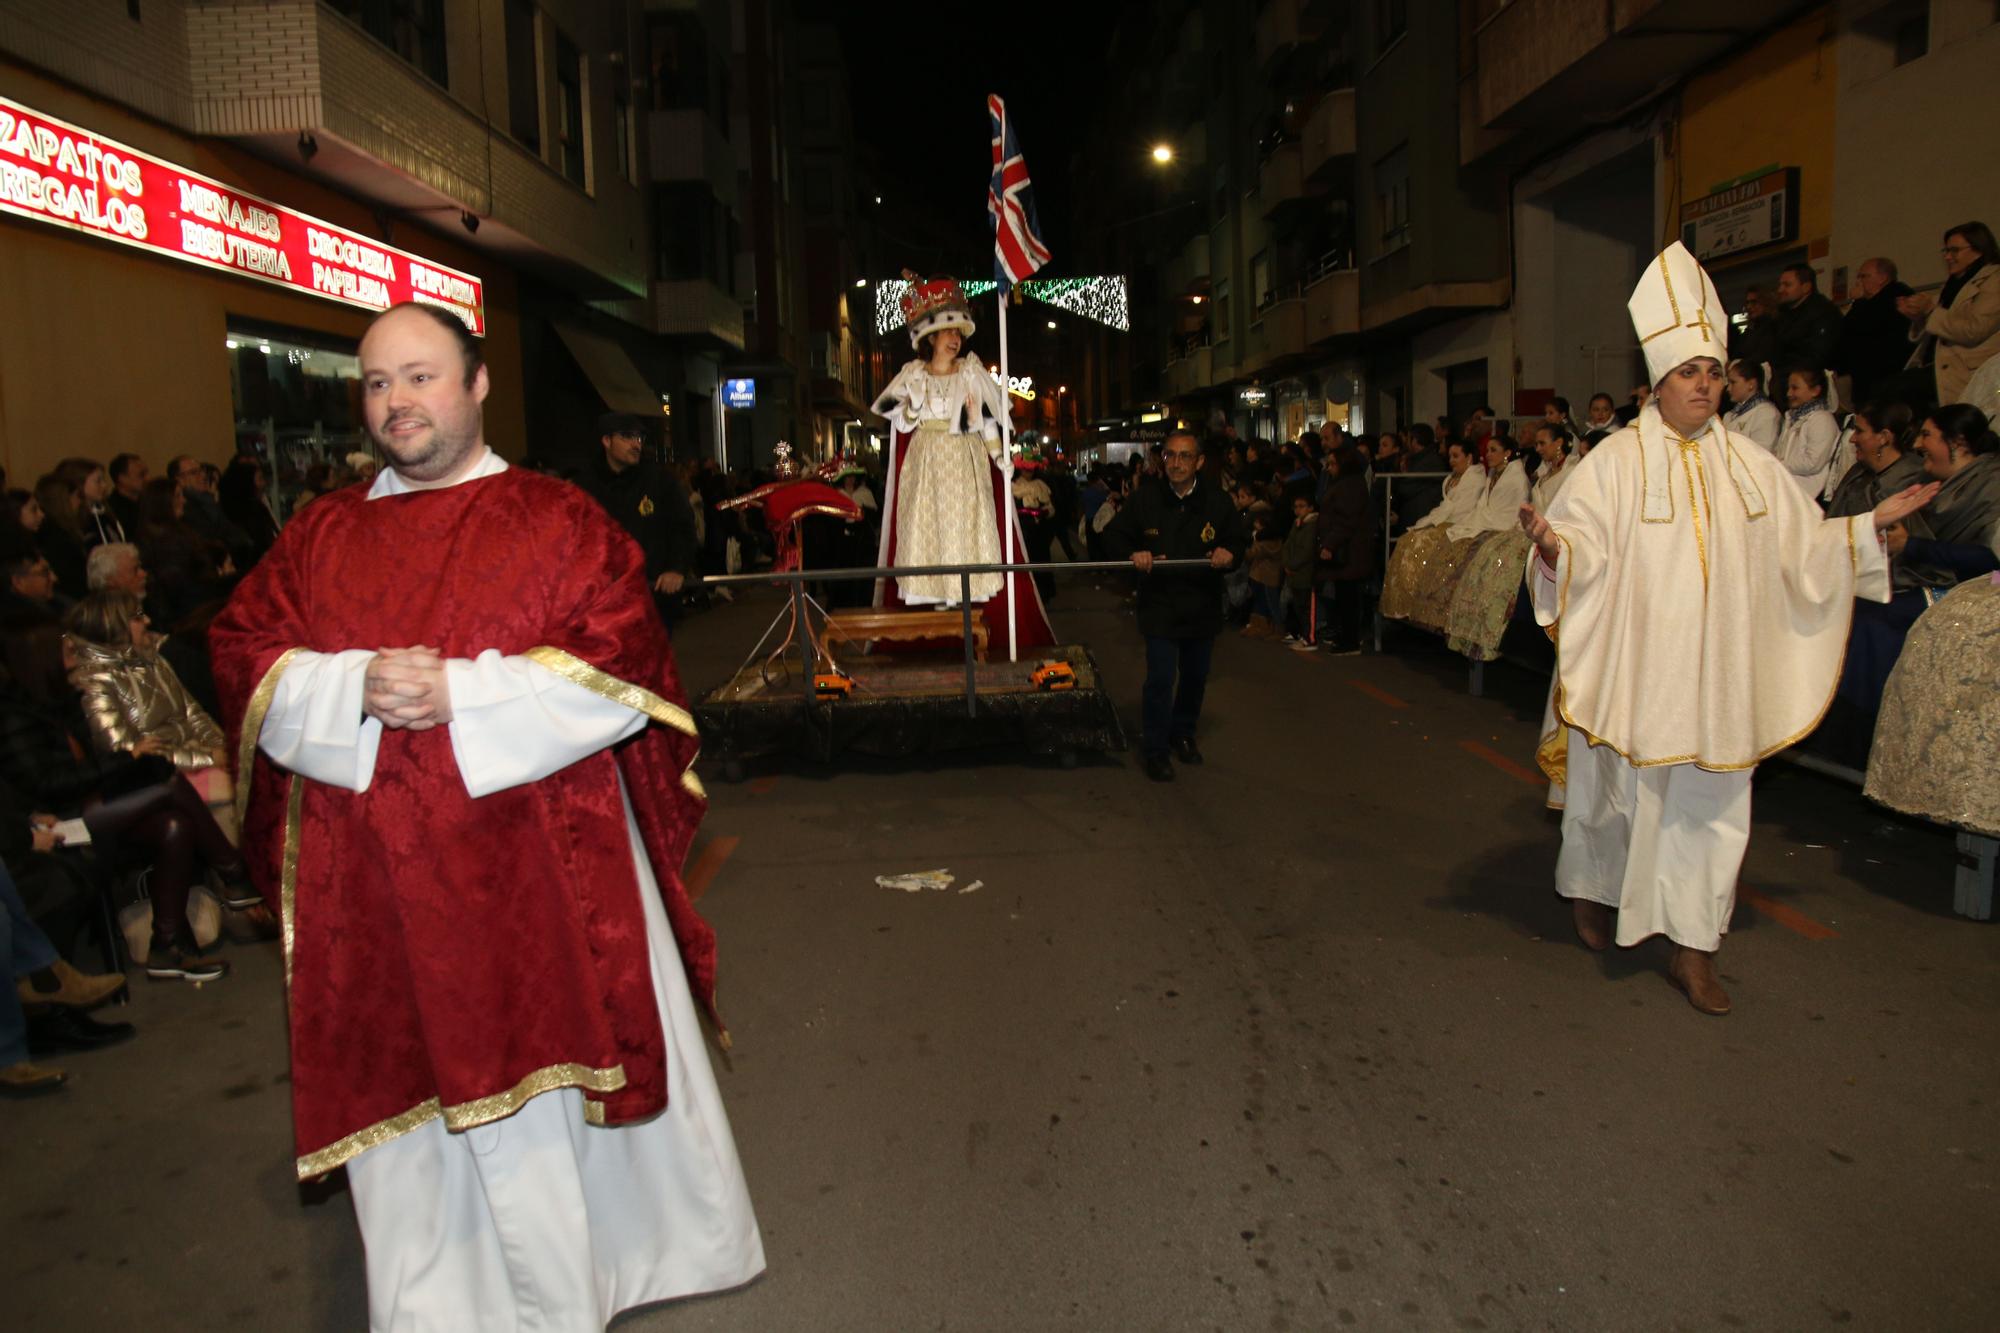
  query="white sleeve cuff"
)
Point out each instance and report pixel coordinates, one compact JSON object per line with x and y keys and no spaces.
{"x":315,"y":727}
{"x":513,"y":721}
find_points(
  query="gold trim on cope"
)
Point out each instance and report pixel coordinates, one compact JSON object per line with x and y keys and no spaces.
{"x":636,"y":697}
{"x":253,"y":728}
{"x":288,"y":874}
{"x":467,"y":1115}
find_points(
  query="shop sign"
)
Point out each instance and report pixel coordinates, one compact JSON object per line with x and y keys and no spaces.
{"x":739,"y":393}
{"x":1749,"y":214}
{"x":55,"y":172}
{"x":1253,"y":396}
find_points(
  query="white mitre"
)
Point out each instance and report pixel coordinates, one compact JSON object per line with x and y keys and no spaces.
{"x":1677,"y":313}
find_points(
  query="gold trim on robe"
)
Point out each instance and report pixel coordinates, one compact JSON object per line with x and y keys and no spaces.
{"x":253,"y":728}
{"x":468,"y":1115}
{"x":636,"y":697}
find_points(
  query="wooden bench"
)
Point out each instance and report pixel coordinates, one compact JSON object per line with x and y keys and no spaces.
{"x":904,"y":627}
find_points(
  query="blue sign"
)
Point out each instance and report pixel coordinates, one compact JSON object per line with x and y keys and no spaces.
{"x":739,"y":393}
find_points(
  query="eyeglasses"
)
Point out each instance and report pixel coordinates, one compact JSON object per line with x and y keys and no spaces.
{"x":1950,"y":250}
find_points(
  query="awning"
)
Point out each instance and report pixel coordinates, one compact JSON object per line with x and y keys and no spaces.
{"x":617,"y":381}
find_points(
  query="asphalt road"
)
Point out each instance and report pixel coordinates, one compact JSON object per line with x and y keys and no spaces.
{"x":1301,"y":1041}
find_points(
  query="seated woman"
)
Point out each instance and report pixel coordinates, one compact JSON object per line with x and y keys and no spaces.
{"x":1885,"y":459}
{"x":1954,"y":537}
{"x":1501,"y":496}
{"x":131,"y":802}
{"x":1751,"y":413}
{"x":1410,"y":562}
{"x":131,"y":697}
{"x":186,"y":572}
{"x":1483,"y":605}
{"x":1806,"y":444}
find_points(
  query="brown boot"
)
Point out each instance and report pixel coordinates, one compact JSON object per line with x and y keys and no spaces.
{"x":1694,"y":973}
{"x":75,"y":990}
{"x":26,"y":1080}
{"x":1593,"y":923}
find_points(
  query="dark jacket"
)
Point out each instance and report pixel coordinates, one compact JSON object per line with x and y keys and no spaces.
{"x":1347,"y":531}
{"x":1756,"y":342}
{"x":1807,"y":336}
{"x":1874,"y":340}
{"x":649,"y":502}
{"x":1178,"y":603}
{"x":1413,"y":499}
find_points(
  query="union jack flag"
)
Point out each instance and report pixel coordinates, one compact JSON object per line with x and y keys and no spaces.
{"x":1010,"y":201}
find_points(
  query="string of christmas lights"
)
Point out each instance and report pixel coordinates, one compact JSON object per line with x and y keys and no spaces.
{"x":1101,"y":298}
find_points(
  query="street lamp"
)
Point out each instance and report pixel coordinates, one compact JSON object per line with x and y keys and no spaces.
{"x":861,"y":282}
{"x":1163,"y":153}
{"x":1052,"y":323}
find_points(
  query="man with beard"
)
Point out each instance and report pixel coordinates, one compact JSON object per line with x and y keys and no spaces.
{"x":465,"y":763}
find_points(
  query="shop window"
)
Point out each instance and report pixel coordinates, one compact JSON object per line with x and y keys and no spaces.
{"x":524,"y":76}
{"x":1392,"y":199}
{"x":297,"y":398}
{"x":572,"y":139}
{"x":413,"y":29}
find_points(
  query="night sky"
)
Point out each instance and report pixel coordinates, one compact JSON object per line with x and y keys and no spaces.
{"x":920,"y":75}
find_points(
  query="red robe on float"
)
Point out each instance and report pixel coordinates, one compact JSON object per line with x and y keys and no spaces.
{"x":445,"y":956}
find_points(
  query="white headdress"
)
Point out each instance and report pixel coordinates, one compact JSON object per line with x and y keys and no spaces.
{"x":1677,"y":313}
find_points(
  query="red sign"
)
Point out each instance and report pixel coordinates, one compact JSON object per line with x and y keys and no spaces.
{"x":53,"y":171}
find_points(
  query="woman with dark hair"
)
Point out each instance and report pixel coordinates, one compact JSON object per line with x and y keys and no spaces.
{"x":1958,"y":329}
{"x":1806,"y":444}
{"x":1751,"y":413}
{"x":95,"y":521}
{"x":133,"y":803}
{"x":242,"y":493}
{"x":187,"y":572}
{"x":1953,"y":538}
{"x":61,"y":534}
{"x":1885,"y":459}
{"x":1347,"y":535}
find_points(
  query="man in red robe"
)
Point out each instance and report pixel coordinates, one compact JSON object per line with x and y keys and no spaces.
{"x":465,"y":763}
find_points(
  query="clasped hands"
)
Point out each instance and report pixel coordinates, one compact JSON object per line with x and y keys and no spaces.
{"x":406,"y":689}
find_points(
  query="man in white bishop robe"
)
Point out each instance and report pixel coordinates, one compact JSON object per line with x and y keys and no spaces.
{"x":1700,"y":604}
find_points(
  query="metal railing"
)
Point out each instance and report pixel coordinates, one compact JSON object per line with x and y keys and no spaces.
{"x":808,"y":652}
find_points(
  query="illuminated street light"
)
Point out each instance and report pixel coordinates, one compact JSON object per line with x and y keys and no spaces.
{"x":1052,"y":323}
{"x":1163,"y":153}
{"x":1195,"y":299}
{"x":861,"y":282}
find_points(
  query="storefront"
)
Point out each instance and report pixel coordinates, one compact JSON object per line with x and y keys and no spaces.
{"x":170,"y":295}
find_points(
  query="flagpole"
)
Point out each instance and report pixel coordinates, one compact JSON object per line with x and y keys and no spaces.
{"x":1013,"y":522}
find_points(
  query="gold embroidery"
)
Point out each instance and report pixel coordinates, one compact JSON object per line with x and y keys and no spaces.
{"x":636,"y":697}
{"x":467,"y":1115}
{"x":1696,"y":509}
{"x":288,"y":875}
{"x":253,"y":727}
{"x":645,"y":506}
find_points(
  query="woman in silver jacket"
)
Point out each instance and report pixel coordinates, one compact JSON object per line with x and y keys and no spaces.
{"x":132,"y":700}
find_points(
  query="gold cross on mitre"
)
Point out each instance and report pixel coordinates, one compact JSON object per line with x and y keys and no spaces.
{"x":1669,"y":335}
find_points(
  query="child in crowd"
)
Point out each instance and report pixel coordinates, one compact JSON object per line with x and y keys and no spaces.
{"x":1301,"y":550}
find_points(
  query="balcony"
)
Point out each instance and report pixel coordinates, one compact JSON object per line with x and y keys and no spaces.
{"x":1544,"y":68}
{"x":1187,"y":272}
{"x":1281,"y":26}
{"x":1189,"y":374}
{"x":1278,"y":336}
{"x":697,"y":308}
{"x":1281,"y":182}
{"x":1327,"y":142}
{"x":686,"y":145}
{"x":274,"y":71}
{"x":1333,"y":305}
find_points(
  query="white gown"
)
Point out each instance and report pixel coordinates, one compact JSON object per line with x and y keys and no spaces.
{"x":538,"y":1221}
{"x":941,"y":499}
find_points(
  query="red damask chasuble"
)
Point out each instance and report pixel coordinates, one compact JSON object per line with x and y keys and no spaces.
{"x":449,"y":957}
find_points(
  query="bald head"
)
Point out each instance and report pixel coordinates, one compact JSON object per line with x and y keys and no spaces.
{"x":1874,"y":275}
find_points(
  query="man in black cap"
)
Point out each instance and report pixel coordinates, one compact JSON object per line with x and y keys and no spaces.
{"x":1177,"y":517}
{"x":649,"y":502}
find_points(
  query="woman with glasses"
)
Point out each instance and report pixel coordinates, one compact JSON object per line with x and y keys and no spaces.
{"x":1958,"y":329}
